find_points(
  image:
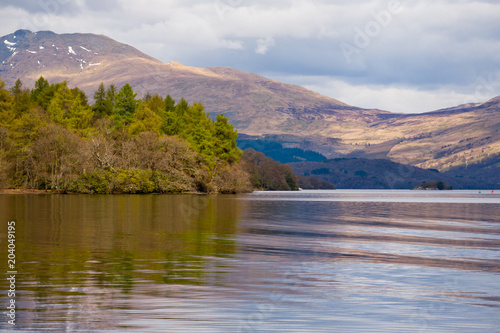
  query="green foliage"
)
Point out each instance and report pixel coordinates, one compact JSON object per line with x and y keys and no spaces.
{"x":169,"y":104}
{"x":51,"y":138}
{"x":143,"y":120}
{"x":156,"y":104}
{"x":96,"y":182}
{"x":111,"y":95}
{"x":69,"y":107}
{"x":22,"y":133}
{"x":22,"y":98}
{"x":42,"y":93}
{"x":134,"y":181}
{"x":103,"y":106}
{"x":225,"y":140}
{"x":125,"y":105}
{"x":128,"y":181}
{"x":17,"y":88}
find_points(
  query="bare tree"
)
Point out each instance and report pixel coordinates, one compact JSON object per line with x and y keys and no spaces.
{"x":103,"y":153}
{"x":58,"y":156}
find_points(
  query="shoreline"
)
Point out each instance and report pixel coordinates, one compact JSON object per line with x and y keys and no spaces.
{"x":33,"y":191}
{"x":25,"y":191}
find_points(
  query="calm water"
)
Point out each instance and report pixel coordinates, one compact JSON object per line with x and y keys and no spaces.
{"x":311,"y":261}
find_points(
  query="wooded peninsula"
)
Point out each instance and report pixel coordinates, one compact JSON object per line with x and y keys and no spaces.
{"x":52,"y":139}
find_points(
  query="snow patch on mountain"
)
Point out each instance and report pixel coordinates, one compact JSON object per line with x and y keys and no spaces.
{"x":10,"y":46}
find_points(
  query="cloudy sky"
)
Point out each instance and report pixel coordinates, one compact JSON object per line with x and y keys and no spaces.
{"x":401,"y":56}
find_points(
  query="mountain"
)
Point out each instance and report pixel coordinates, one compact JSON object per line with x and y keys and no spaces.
{"x":262,"y":108}
{"x":254,"y":103}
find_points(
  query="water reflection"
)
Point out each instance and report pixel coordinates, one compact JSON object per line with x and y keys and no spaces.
{"x":82,"y":250}
{"x":296,"y":262}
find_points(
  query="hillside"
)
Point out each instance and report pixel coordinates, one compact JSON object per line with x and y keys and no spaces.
{"x":443,"y":139}
{"x":348,"y":173}
{"x":259,"y":107}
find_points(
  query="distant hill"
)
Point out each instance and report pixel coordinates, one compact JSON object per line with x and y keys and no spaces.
{"x":296,"y":117}
{"x":481,"y":175}
{"x":359,"y":173}
{"x":272,"y":147}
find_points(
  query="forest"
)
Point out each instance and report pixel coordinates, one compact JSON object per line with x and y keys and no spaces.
{"x":52,"y":138}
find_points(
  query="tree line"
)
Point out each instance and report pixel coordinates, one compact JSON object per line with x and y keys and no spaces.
{"x":52,"y":138}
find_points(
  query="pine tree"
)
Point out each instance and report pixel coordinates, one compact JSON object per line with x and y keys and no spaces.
{"x":40,"y":85}
{"x":110,"y":99}
{"x":80,"y":114}
{"x":125,"y":104}
{"x":169,"y":104}
{"x":23,"y":132}
{"x":17,"y":88}
{"x":81,"y":96}
{"x":111,"y":94}
{"x":102,"y":105}
{"x":143,"y":120}
{"x":182,"y":107}
{"x":169,"y":118}
{"x":69,"y":107}
{"x":22,"y":99}
{"x":225,"y":146}
{"x":42,"y":93}
{"x":197,"y":128}
{"x":157,"y":105}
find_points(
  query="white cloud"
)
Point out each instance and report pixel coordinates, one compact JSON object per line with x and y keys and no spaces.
{"x":263,"y":44}
{"x":399,"y":98}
